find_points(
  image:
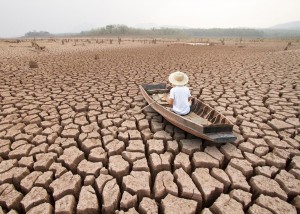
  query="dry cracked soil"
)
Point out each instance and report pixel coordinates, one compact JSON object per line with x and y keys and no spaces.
{"x":68,"y":144}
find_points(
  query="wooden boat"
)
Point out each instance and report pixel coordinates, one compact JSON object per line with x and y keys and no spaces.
{"x":203,"y":121}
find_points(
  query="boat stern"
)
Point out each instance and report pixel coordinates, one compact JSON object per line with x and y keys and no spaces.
{"x":221,"y":133}
{"x":223,"y":137}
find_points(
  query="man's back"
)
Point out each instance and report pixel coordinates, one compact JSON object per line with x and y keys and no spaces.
{"x":180,"y":95}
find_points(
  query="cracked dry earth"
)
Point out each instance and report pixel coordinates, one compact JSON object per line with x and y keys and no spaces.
{"x":65,"y":149}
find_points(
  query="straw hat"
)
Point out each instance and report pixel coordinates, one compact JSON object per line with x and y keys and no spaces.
{"x":178,"y":78}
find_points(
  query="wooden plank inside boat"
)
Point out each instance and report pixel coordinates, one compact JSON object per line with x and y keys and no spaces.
{"x":148,"y":87}
{"x":158,"y":91}
{"x":197,"y":119}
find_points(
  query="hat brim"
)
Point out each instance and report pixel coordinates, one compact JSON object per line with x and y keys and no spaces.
{"x":175,"y":82}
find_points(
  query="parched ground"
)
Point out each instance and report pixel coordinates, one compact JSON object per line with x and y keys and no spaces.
{"x":67,"y":144}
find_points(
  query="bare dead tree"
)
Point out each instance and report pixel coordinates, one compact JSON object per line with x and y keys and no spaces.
{"x":37,"y":47}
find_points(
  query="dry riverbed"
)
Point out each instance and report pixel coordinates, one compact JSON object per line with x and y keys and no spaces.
{"x":68,"y":145}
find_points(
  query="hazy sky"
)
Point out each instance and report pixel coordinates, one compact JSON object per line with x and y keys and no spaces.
{"x":57,"y":16}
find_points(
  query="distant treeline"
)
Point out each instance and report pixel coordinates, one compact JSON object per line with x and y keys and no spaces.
{"x":123,"y":30}
{"x":38,"y":34}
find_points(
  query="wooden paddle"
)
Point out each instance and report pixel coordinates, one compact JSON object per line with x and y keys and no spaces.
{"x":140,"y":111}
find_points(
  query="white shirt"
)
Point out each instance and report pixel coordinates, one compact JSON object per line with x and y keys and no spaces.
{"x":180,"y":95}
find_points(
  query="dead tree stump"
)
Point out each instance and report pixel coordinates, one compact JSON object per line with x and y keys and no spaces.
{"x":33,"y":64}
{"x":289,"y":44}
{"x":222,"y":41}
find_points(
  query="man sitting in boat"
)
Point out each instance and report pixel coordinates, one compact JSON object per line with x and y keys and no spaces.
{"x":180,"y":95}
